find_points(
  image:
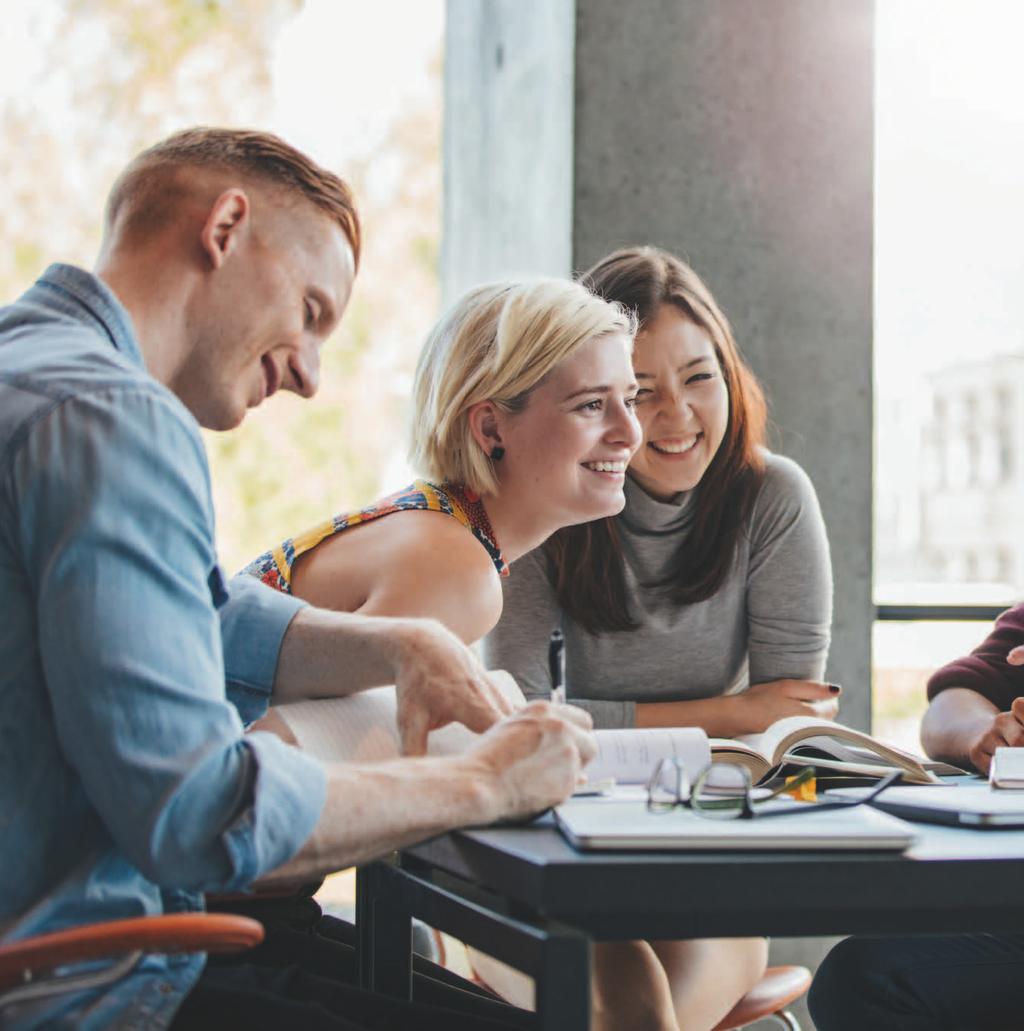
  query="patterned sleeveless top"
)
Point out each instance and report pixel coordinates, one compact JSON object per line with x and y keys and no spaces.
{"x":274,"y":567}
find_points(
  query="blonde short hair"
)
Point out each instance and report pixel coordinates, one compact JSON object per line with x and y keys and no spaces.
{"x":496,"y":344}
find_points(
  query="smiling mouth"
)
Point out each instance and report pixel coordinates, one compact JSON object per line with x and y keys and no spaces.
{"x":676,"y":447}
{"x":271,"y":378}
{"x":606,"y":467}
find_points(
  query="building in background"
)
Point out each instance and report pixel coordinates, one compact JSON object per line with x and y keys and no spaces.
{"x":950,"y":486}
{"x":971,"y":487}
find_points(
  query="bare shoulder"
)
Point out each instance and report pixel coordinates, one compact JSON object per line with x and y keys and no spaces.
{"x":346,"y":568}
{"x":413,"y":563}
{"x":433,"y":566}
{"x":428,"y":540}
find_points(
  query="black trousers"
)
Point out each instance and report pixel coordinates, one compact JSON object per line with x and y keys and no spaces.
{"x":305,"y":975}
{"x":935,"y":982}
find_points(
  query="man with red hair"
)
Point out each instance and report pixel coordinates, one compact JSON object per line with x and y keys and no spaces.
{"x":127,"y":782}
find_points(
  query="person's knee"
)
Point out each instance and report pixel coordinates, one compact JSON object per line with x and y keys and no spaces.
{"x":630,"y":989}
{"x":751,"y":957}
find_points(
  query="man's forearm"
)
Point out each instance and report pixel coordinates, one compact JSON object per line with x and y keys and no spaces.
{"x":954,"y":720}
{"x":373,"y":809}
{"x":438,"y":680}
{"x":326,"y":654}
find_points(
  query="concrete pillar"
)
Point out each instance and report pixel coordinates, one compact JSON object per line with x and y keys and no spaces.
{"x":740,"y":134}
{"x":737,"y":133}
{"x":508,"y":141}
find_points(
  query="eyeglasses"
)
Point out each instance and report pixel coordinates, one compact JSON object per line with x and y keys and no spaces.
{"x":725,"y":791}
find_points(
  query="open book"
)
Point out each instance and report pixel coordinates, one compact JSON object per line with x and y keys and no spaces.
{"x":805,"y":741}
{"x":362,"y":728}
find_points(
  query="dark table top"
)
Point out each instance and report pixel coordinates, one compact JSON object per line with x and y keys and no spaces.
{"x":950,"y":880}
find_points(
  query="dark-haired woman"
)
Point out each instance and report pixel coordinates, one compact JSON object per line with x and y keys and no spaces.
{"x":707,"y":602}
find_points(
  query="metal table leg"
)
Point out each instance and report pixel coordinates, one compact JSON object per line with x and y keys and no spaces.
{"x":556,"y":956}
{"x":563,"y":984}
{"x":384,"y":935}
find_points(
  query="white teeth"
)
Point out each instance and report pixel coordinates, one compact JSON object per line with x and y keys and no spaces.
{"x":606,"y":467}
{"x":673,"y":448}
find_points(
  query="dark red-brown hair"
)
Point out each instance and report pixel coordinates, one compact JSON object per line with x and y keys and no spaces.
{"x":586,"y":562}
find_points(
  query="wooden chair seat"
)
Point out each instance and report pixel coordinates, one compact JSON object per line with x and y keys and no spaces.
{"x":769,"y":997}
{"x":177,"y":932}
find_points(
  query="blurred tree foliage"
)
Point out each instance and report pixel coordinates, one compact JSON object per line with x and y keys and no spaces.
{"x":123,"y":74}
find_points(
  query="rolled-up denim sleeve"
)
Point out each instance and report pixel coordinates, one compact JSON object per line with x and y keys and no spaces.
{"x":286,"y":804}
{"x":253,"y":620}
{"x":116,"y":527}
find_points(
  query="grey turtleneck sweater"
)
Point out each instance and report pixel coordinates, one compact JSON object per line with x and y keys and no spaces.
{"x":769,"y":620}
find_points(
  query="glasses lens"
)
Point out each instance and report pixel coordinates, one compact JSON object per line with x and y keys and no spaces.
{"x":667,"y":787}
{"x":722,"y":792}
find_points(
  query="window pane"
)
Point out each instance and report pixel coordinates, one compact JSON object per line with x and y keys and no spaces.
{"x":904,"y":656}
{"x":949,"y":302}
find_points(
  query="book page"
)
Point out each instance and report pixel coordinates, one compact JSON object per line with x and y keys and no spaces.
{"x":761,"y":744}
{"x":782,"y":734}
{"x":785,"y":734}
{"x":631,"y":755}
{"x":362,"y":727}
{"x":731,"y":750}
{"x":861,"y":754}
{"x":358,"y":728}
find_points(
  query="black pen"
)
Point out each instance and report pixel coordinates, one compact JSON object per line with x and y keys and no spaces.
{"x":556,"y":665}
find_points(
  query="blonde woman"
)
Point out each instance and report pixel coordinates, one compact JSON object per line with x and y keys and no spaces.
{"x":522,"y":423}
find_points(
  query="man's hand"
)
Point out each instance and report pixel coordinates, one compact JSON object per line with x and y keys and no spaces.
{"x":1005,"y":730}
{"x":533,"y":760}
{"x":762,"y":704}
{"x":1015,"y":657}
{"x":518,"y":768}
{"x":438,"y":680}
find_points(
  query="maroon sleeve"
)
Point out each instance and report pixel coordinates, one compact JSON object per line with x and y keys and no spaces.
{"x":986,"y":670}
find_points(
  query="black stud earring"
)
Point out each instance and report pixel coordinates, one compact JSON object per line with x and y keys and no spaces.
{"x":497,"y":453}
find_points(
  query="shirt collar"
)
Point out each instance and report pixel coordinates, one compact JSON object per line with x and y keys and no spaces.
{"x":86,"y":297}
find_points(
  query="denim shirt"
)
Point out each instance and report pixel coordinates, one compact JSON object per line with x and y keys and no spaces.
{"x":127,"y":785}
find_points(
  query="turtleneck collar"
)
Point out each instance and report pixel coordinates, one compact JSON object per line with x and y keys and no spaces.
{"x":647,"y":516}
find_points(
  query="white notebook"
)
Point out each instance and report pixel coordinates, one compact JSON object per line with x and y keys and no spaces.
{"x":625,"y":823}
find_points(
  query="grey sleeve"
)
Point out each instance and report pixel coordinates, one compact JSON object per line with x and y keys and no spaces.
{"x":519,"y":643}
{"x":789,"y":582}
{"x":608,"y":713}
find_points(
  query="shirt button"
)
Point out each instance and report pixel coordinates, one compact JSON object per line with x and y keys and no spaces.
{"x":166,"y":987}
